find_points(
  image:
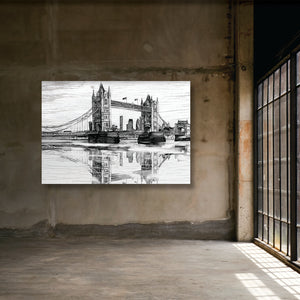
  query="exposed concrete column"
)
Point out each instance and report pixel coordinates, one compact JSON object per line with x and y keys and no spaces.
{"x":244,"y":102}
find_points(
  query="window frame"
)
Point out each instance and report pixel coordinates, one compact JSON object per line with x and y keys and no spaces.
{"x":290,"y":94}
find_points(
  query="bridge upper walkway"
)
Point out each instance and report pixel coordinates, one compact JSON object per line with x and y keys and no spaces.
{"x":129,"y":106}
{"x":80,"y":124}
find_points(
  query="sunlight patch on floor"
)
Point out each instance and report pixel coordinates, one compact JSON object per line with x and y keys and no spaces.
{"x":275,"y":269}
{"x":256,"y":287}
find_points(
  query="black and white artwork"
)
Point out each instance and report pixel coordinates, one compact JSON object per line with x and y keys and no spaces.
{"x":116,"y":132}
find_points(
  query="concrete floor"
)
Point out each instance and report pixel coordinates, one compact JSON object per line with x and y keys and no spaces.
{"x":90,"y":268}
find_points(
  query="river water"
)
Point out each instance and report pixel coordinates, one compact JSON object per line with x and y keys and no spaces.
{"x":79,"y":162}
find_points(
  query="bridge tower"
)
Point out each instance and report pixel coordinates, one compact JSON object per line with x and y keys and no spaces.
{"x":149,"y":116}
{"x":101,"y":167}
{"x":101,"y":109}
{"x":155,"y":126}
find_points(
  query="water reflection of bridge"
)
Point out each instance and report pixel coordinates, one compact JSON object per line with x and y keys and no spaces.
{"x":125,"y":164}
{"x":108,"y":167}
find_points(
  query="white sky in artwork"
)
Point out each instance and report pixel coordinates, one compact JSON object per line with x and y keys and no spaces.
{"x":63,"y":101}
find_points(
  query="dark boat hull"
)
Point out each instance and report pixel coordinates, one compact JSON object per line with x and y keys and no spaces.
{"x":182,"y":138}
{"x":104,"y":137}
{"x":151,"y":138}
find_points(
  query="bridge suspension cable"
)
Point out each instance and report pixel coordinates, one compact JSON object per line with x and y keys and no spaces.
{"x":83,"y":116}
{"x":79,"y":122}
{"x":163,"y":121}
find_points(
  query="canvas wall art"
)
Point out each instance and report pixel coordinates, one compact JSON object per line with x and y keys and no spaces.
{"x":116,"y":132}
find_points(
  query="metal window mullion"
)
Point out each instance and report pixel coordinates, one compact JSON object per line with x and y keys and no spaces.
{"x":273,"y":125}
{"x":293,"y":157}
{"x":255,"y":179}
{"x":279,"y":160}
{"x":262,"y":162}
{"x":268,"y":208}
{"x":278,"y":219}
{"x":273,"y":100}
{"x":287,"y":160}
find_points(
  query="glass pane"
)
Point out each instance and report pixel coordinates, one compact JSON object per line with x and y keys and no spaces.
{"x":288,"y":155}
{"x":284,"y":237}
{"x":298,"y":156}
{"x":288,"y":75}
{"x":265,"y":94}
{"x":259,"y":158}
{"x":289,"y":242}
{"x":259,"y":96}
{"x":283,"y":79}
{"x":265,"y":159}
{"x":276,"y":84}
{"x":283,"y":156}
{"x":277,"y":235}
{"x":259,"y":198}
{"x":265,"y":238}
{"x":259,"y":224}
{"x":271,"y":231}
{"x":270,"y":95}
{"x":298,"y":242}
{"x":270,"y":145}
{"x":276,"y":161}
{"x":298,"y":68}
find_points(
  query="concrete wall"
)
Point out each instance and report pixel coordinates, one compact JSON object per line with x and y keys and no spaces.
{"x":244,"y":94}
{"x":136,"y":40}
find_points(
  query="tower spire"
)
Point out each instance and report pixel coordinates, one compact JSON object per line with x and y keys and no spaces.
{"x":101,"y":87}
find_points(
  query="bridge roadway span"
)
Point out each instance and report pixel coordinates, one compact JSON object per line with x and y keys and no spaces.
{"x":83,"y":134}
{"x":130,"y":106}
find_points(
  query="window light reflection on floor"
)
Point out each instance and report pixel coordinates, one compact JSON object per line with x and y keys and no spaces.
{"x":278,"y":271}
{"x":256,"y":287}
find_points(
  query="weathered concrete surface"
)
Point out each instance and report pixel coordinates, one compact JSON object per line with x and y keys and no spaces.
{"x":211,"y":166}
{"x":208,"y":230}
{"x":134,"y":34}
{"x":89,"y":268}
{"x":47,"y":40}
{"x":244,"y":94}
{"x":199,"y":202}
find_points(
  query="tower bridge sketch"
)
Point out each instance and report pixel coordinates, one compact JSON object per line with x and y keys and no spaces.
{"x":117,"y":140}
{"x":98,"y":117}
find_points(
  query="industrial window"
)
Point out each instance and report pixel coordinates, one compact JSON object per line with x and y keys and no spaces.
{"x":277,"y":157}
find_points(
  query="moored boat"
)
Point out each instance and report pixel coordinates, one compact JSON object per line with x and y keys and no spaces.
{"x":151,"y":137}
{"x":106,"y":137}
{"x":182,"y":137}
